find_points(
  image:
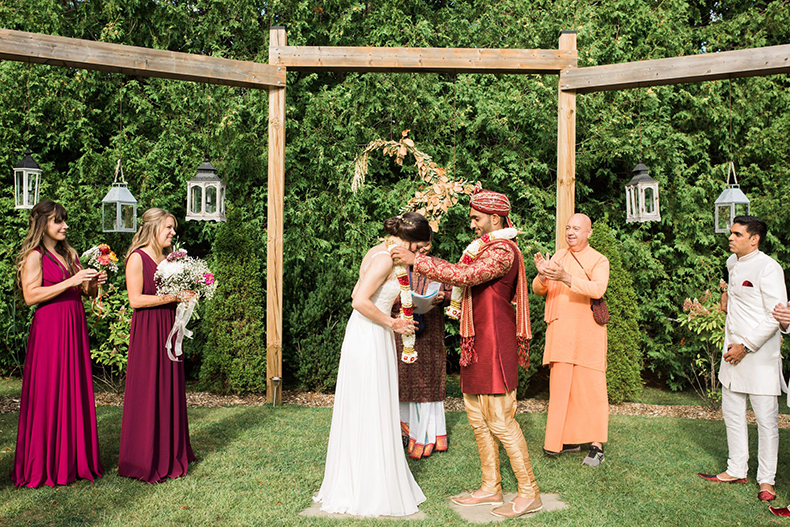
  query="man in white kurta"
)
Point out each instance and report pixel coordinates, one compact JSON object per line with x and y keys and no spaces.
{"x":751,"y":364}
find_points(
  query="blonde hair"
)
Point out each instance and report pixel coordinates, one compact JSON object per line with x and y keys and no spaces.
{"x":40,"y":215}
{"x":149,"y":228}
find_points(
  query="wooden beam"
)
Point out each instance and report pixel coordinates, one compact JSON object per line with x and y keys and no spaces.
{"x":768,"y":60}
{"x":566,"y":149}
{"x":450,"y":60}
{"x":131,"y":60}
{"x":274,"y":222}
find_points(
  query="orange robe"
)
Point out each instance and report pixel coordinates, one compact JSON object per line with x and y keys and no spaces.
{"x":575,"y":351}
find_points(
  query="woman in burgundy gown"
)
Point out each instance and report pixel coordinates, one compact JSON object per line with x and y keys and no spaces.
{"x":154,"y":429}
{"x":56,"y":439}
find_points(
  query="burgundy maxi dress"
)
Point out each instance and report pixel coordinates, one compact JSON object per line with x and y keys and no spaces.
{"x":56,"y":439}
{"x":154,"y":429}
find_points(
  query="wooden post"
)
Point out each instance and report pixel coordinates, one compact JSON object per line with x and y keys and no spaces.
{"x":274,"y":252}
{"x":566,"y":147}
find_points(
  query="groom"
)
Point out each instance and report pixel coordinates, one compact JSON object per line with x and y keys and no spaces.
{"x":494,"y":341}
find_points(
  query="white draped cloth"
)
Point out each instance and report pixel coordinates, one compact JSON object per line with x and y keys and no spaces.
{"x":366,"y":470}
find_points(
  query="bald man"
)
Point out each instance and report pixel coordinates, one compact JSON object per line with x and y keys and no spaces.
{"x":575,"y":344}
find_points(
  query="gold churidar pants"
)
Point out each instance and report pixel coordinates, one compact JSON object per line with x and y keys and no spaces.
{"x":493,"y":419}
{"x":578,"y":406}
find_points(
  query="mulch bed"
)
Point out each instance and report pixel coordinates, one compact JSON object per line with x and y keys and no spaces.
{"x":451,"y":404}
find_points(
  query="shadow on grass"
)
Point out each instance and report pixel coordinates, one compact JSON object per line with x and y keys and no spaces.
{"x":81,"y":502}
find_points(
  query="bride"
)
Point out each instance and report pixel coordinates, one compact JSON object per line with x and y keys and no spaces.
{"x":366,"y":470}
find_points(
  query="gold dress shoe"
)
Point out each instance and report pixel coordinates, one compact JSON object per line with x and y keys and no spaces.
{"x":509,"y":510}
{"x":468,"y":499}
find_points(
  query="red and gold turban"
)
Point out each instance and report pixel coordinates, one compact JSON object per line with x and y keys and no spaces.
{"x":490,"y":202}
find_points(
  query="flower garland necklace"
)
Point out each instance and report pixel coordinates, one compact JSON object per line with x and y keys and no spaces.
{"x":409,"y":355}
{"x":470,"y":255}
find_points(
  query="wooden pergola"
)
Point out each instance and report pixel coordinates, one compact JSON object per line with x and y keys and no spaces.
{"x":572,"y":80}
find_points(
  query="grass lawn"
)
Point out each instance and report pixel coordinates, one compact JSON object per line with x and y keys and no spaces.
{"x":260,"y":466}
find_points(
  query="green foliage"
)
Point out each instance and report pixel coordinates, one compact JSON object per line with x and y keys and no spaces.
{"x":234,"y":356}
{"x":702,"y":344}
{"x":110,"y":335}
{"x":500,"y":130}
{"x":624,"y":358}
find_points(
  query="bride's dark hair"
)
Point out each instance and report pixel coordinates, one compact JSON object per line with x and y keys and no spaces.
{"x":409,"y":226}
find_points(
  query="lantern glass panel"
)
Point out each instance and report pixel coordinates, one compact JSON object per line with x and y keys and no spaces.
{"x":31,"y":188}
{"x":211,"y":200}
{"x":108,"y":216}
{"x":196,"y":200}
{"x":127,"y":217}
{"x":222,"y":200}
{"x":20,"y":187}
{"x":630,"y":201}
{"x":650,"y":200}
{"x":725,"y":218}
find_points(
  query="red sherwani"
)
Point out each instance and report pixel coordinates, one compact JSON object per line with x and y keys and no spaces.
{"x":489,"y":385}
{"x":493,"y":278}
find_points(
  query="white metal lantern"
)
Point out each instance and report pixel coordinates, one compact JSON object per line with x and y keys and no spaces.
{"x":206,"y":195}
{"x":641,"y":196}
{"x":27,"y":178}
{"x":731,"y":203}
{"x":119,"y":208}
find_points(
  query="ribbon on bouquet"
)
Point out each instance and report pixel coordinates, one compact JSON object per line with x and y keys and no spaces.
{"x":183,"y":314}
{"x":96,"y":306}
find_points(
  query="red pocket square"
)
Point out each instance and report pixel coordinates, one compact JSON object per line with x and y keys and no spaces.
{"x":747,"y":283}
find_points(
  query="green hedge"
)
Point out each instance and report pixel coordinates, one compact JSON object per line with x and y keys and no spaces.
{"x":497,"y":129}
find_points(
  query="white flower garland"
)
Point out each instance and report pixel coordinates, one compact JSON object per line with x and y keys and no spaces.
{"x":469,"y":256}
{"x":409,"y":354}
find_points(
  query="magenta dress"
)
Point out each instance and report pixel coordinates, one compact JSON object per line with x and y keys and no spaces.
{"x":154,"y":429}
{"x":56,"y":440}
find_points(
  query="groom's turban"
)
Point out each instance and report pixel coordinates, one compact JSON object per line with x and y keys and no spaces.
{"x":490,"y":202}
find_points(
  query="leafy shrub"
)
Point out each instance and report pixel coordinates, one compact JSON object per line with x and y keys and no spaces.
{"x":702,"y":344}
{"x":110,"y":336}
{"x":234,"y":355}
{"x":624,"y":358}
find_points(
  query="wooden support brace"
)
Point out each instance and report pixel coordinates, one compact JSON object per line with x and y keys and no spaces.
{"x":132,"y":60}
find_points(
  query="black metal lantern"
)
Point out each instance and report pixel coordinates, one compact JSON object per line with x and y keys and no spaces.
{"x":27,"y":179}
{"x":119,"y":208}
{"x":731,"y":202}
{"x":641,"y":196}
{"x":206,"y":195}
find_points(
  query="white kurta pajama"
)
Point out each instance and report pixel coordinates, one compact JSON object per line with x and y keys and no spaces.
{"x":756,"y":285}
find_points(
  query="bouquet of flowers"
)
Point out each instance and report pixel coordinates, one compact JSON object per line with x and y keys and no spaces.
{"x":101,"y":258}
{"x":174,"y":275}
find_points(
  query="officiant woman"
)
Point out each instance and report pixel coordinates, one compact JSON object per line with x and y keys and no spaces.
{"x":154,"y":429}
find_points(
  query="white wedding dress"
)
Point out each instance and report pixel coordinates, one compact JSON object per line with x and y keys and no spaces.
{"x":366,"y":470}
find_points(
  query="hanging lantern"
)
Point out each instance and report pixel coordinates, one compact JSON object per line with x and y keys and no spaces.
{"x":731,"y":203}
{"x":206,"y":195}
{"x":27,"y":178}
{"x":119,"y":208}
{"x":641,"y":196}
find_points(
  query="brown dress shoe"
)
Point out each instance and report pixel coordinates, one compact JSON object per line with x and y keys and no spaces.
{"x":468,"y":499}
{"x":508,"y":510}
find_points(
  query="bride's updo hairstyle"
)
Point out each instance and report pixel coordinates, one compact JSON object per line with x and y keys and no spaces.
{"x":409,"y":226}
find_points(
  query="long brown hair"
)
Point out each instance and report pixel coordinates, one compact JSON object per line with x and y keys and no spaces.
{"x":149,"y":227}
{"x":39,"y":218}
